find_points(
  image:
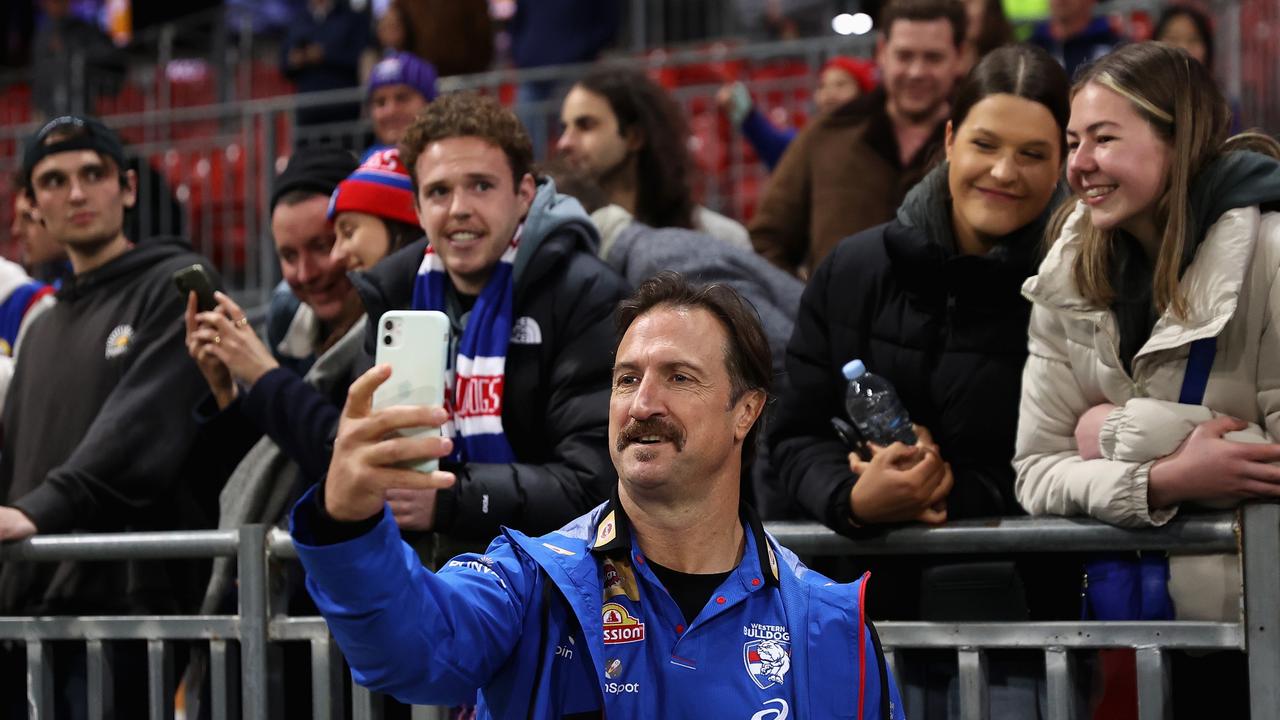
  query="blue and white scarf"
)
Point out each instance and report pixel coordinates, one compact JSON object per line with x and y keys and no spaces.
{"x":473,"y":394}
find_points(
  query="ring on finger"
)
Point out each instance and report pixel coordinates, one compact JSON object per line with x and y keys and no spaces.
{"x":217,"y":339}
{"x":242,"y":322}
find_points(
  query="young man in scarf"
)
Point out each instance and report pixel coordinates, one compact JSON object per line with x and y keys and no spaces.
{"x":513,"y":265}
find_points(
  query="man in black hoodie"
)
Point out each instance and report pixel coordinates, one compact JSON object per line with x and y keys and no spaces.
{"x":97,"y":424}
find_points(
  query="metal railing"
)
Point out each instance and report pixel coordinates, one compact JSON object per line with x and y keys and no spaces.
{"x":251,"y":633}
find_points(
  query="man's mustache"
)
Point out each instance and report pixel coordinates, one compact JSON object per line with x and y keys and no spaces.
{"x":663,"y":429}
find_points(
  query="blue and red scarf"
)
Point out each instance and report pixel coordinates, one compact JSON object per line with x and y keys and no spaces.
{"x":473,"y":390}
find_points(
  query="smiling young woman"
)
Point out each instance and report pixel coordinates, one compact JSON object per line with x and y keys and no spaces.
{"x":1169,"y":235}
{"x":931,"y":302}
{"x":1152,"y":382}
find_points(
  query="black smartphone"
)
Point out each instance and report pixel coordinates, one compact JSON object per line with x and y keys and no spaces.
{"x":851,"y":438}
{"x":194,"y":279}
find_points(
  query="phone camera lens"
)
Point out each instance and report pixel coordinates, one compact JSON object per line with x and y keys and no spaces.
{"x":386,"y":339}
{"x":387,"y":325}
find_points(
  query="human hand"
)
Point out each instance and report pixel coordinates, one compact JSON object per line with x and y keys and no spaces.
{"x":724,"y":96}
{"x":313,"y":53}
{"x":232,"y":340}
{"x":364,"y":470}
{"x":215,"y":372}
{"x":735,"y":101}
{"x":1087,"y":429}
{"x":902,"y":482}
{"x":1208,"y":468}
{"x":15,"y":525}
{"x":413,"y":509}
{"x":297,"y":57}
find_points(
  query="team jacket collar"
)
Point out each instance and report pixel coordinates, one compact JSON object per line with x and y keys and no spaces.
{"x":613,"y":535}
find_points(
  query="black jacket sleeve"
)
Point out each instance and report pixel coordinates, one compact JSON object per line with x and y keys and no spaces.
{"x":811,"y":461}
{"x":128,"y":460}
{"x":298,"y":417}
{"x":579,"y":474}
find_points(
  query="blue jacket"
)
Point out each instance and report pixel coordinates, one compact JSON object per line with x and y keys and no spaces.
{"x":1090,"y":44}
{"x":574,"y":623}
{"x":766,"y":139}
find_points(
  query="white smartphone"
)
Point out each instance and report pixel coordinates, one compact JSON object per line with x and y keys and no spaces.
{"x":415,"y":343}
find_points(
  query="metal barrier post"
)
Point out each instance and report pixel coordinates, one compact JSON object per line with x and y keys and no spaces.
{"x":39,"y":680}
{"x":1153,"y":684}
{"x":263,"y":239}
{"x":974,"y":698}
{"x":252,"y":567}
{"x":160,"y":679}
{"x":328,"y":681}
{"x":1262,"y":606}
{"x":1060,"y":676}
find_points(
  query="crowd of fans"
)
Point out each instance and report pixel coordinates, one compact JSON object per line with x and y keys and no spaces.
{"x":1057,"y":252}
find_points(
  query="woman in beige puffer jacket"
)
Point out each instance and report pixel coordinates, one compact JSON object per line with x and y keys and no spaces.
{"x":1173,"y":238}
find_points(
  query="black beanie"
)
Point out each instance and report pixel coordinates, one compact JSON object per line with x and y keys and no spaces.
{"x":315,"y":169}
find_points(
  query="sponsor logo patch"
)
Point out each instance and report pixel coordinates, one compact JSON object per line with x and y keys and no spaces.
{"x":619,"y":579}
{"x":558,"y":550}
{"x":619,"y":626}
{"x":757,"y":631}
{"x":775,"y":709}
{"x":477,"y":566}
{"x":607,"y":531}
{"x":119,"y":341}
{"x":767,"y":661}
{"x":613,"y":668}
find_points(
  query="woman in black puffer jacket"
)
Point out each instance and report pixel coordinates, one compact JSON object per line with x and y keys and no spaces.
{"x":931,"y":301}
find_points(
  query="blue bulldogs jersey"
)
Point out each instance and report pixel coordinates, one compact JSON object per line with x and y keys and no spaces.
{"x":575,"y":624}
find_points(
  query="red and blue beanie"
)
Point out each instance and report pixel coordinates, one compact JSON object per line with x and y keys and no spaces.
{"x":380,"y":187}
{"x":404,"y":68}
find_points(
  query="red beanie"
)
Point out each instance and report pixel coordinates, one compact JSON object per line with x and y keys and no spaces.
{"x":380,"y":187}
{"x":862,"y":71}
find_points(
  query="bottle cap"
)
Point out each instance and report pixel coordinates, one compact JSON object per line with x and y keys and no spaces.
{"x":853,"y":370}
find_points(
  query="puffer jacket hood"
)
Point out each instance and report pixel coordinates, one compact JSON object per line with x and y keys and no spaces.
{"x":553,"y":214}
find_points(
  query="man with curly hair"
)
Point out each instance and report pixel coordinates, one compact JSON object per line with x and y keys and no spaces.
{"x":512,"y":263}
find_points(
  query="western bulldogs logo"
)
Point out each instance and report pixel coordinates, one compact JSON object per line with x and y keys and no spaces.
{"x":767,"y":661}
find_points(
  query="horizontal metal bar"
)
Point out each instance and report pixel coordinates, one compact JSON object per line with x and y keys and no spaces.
{"x":1202,"y":533}
{"x":1203,"y":635}
{"x":1214,"y":532}
{"x":1178,"y":635}
{"x":125,"y":546}
{"x":141,"y":627}
{"x":286,"y":629}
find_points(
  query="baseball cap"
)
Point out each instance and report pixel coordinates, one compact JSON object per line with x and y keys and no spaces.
{"x":403,"y":68}
{"x":317,"y":170}
{"x":84,"y":133}
{"x":380,"y":187}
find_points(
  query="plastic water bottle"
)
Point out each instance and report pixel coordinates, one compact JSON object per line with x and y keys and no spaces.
{"x":874,"y":407}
